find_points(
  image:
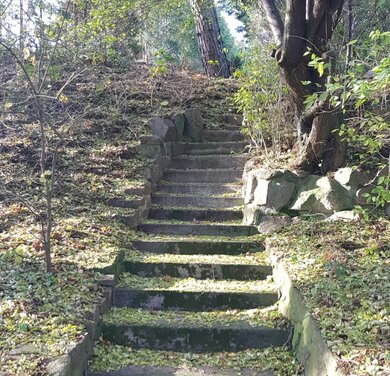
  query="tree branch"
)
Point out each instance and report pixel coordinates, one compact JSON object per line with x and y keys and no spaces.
{"x":274,"y":20}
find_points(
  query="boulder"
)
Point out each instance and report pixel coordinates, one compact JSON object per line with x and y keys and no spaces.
{"x":274,"y":189}
{"x":193,"y":125}
{"x":154,"y":173}
{"x":151,"y":147}
{"x":281,"y":193}
{"x":351,"y":179}
{"x":163,"y":128}
{"x":179,"y":120}
{"x":269,"y":224}
{"x":270,"y":174}
{"x":321,"y":195}
{"x":252,"y":214}
{"x":345,"y":215}
{"x":248,"y":189}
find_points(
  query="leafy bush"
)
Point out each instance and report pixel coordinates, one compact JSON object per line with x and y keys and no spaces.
{"x":361,"y":94}
{"x":262,"y":99}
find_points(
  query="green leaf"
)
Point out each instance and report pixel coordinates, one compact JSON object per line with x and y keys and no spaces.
{"x":320,"y":69}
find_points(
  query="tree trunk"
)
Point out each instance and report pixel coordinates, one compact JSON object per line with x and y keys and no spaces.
{"x":348,"y":31}
{"x":21,"y":26}
{"x":209,"y":38}
{"x":309,"y":24}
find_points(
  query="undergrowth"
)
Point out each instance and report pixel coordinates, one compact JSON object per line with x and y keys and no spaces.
{"x":103,"y":116}
{"x":342,"y":270}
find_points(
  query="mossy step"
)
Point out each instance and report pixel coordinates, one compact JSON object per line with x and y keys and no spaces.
{"x":201,"y":189}
{"x":190,"y":300}
{"x":198,"y":270}
{"x":191,"y":214}
{"x":197,"y":229}
{"x":167,"y":371}
{"x":213,"y":148}
{"x":196,"y":201}
{"x":221,"y":135}
{"x":191,"y":294}
{"x":140,"y":329}
{"x":189,"y":247}
{"x":250,"y":318}
{"x":193,"y":285}
{"x":257,"y":258}
{"x":252,"y":362}
{"x":207,"y":161}
{"x":228,"y":175}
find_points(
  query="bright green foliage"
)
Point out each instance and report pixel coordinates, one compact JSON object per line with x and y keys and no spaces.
{"x":262,"y":100}
{"x":171,"y":30}
{"x":360,"y":94}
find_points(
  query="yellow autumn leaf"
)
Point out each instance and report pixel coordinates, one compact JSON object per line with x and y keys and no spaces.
{"x":63,"y":98}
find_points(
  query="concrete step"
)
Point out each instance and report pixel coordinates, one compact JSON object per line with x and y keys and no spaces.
{"x":198,"y":270}
{"x":182,"y":337}
{"x":166,"y":371}
{"x":204,"y":247}
{"x":210,"y":148}
{"x":204,"y":176}
{"x":191,"y":300}
{"x":197,"y":229}
{"x":199,"y":189}
{"x":195,"y":214}
{"x":221,"y":136}
{"x":206,"y":161}
{"x":186,"y":201}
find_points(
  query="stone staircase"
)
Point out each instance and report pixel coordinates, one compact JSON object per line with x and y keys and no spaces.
{"x":195,"y":296}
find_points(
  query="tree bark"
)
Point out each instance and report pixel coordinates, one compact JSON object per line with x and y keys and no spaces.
{"x":308,"y":24}
{"x":348,"y":31}
{"x":21,"y":26}
{"x":213,"y":57}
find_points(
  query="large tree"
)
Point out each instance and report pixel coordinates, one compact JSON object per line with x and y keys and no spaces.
{"x":309,"y":25}
{"x":211,"y":50}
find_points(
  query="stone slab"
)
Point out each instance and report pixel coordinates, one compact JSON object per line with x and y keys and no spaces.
{"x":195,"y":214}
{"x":191,"y":301}
{"x":198,"y":247}
{"x":192,"y":338}
{"x":199,"y":271}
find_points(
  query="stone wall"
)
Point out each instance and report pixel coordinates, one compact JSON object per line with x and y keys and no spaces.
{"x":275,"y":196}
